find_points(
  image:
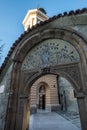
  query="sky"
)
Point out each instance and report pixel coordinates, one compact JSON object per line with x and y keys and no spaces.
{"x":12,"y":13}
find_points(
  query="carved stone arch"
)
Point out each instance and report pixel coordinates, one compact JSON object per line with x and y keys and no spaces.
{"x":79,"y":80}
{"x":70,"y":71}
{"x":68,"y":35}
{"x":41,"y":83}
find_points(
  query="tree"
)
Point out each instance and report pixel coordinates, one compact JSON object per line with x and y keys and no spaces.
{"x":1,"y":48}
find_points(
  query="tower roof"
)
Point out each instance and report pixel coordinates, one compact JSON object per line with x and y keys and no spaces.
{"x":43,"y":10}
{"x":33,"y":17}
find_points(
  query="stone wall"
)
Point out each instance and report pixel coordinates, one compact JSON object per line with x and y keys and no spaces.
{"x":67,"y":98}
{"x":76,"y":22}
{"x":3,"y":106}
{"x":4,"y":94}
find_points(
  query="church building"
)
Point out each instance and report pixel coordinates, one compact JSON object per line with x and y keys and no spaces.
{"x":45,"y":69}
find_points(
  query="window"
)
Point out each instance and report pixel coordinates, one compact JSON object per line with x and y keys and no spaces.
{"x":42,"y":89}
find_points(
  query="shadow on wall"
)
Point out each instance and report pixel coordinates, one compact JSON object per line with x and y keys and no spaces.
{"x":66,"y":94}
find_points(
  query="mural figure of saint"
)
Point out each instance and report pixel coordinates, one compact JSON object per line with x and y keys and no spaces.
{"x":45,"y":58}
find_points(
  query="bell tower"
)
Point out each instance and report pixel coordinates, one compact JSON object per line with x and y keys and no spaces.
{"x":33,"y":17}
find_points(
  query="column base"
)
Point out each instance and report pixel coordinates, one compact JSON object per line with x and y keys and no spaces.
{"x":53,"y":107}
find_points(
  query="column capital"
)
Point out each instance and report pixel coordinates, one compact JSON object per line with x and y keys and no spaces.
{"x":80,"y":95}
{"x":16,"y":61}
{"x":23,"y":97}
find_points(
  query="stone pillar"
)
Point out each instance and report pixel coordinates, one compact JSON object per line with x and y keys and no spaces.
{"x":23,"y":115}
{"x":20,"y":114}
{"x":11,"y":114}
{"x":26,"y":116}
{"x":82,"y":104}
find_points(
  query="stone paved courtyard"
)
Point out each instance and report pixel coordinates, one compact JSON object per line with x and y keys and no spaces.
{"x":72,"y":117}
{"x":50,"y":121}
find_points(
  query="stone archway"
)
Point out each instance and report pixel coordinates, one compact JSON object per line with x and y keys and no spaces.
{"x":75,"y":72}
{"x":49,"y":81}
{"x":58,"y":70}
{"x":42,"y":97}
{"x":35,"y":94}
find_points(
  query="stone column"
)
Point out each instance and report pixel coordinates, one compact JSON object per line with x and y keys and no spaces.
{"x":23,"y":115}
{"x":82,"y":104}
{"x":10,"y":121}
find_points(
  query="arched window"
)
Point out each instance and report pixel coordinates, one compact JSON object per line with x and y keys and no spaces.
{"x":42,"y":89}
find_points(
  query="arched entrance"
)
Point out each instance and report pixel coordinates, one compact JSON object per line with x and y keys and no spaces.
{"x":50,"y":93}
{"x":54,"y":86}
{"x":42,"y":97}
{"x":66,"y":57}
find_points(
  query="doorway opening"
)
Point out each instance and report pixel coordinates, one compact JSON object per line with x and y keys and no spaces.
{"x":42,"y":97}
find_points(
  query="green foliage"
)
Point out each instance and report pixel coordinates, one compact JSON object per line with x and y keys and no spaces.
{"x":1,"y":47}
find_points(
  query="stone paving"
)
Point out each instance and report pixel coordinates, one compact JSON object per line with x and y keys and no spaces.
{"x":50,"y":121}
{"x":72,"y":117}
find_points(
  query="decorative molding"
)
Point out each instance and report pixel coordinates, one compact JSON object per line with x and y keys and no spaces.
{"x":72,"y":70}
{"x":69,"y":71}
{"x":27,"y":76}
{"x":45,"y":70}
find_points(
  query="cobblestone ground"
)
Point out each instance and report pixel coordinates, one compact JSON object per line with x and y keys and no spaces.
{"x":50,"y":121}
